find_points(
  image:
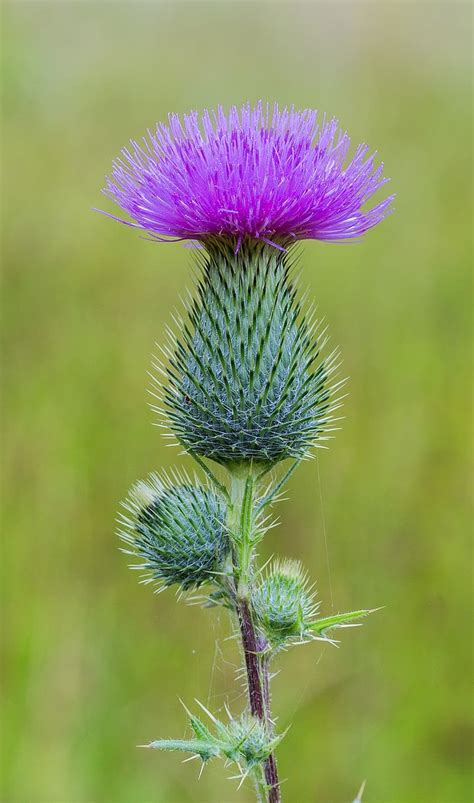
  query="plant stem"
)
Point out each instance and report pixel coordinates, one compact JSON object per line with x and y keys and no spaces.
{"x":258,"y":684}
{"x":240,"y":525}
{"x":252,"y":661}
{"x":258,"y":776}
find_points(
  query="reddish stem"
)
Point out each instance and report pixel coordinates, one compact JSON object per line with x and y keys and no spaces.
{"x":257,"y":679}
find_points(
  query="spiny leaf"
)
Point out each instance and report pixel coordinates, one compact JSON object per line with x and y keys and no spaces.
{"x":244,"y":740}
{"x":321,"y":626}
{"x":200,"y":729}
{"x":205,"y":750}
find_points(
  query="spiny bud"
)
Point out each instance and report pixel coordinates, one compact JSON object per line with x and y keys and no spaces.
{"x":177,"y":529}
{"x":246,"y":381}
{"x":251,"y":736}
{"x":284,"y":603}
{"x":244,"y":740}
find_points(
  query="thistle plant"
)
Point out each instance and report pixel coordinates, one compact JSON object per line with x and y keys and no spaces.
{"x":245,"y":383}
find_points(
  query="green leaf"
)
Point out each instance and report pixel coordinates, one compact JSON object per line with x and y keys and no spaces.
{"x":203,"y":749}
{"x":200,"y":729}
{"x":321,"y":626}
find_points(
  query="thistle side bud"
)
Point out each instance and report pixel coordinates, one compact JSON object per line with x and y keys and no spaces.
{"x":284,"y":603}
{"x":177,"y":530}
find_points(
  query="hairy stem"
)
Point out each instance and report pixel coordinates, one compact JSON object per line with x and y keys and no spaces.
{"x":240,"y":525}
{"x":260,"y":782}
{"x":258,"y":691}
{"x":252,"y":661}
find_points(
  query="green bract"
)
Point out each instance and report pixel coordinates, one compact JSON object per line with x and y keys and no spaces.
{"x":177,"y":530}
{"x":246,"y":381}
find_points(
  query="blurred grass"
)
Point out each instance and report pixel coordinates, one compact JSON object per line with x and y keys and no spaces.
{"x":93,"y":662}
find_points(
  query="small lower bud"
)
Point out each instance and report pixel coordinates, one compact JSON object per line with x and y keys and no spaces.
{"x":283,"y":604}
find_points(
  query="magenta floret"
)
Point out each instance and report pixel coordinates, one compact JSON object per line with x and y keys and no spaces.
{"x":259,"y":172}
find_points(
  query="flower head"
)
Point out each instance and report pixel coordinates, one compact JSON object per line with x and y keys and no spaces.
{"x":247,"y":375}
{"x":273,"y":175}
{"x":176,"y":529}
{"x":284,"y":603}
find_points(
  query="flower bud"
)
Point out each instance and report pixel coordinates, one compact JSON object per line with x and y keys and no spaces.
{"x":250,"y":736}
{"x":177,"y":530}
{"x":283,"y":603}
{"x":246,"y":379}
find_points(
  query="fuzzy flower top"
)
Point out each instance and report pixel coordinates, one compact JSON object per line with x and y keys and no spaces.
{"x":274,"y":175}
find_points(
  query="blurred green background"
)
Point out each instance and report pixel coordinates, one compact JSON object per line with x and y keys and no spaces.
{"x":94,"y":662}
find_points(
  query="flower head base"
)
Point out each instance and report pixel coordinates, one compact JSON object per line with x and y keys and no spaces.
{"x":246,"y":377}
{"x":177,"y":531}
{"x":275,"y":175}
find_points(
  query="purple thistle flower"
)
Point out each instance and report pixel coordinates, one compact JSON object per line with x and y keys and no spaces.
{"x":273,"y":176}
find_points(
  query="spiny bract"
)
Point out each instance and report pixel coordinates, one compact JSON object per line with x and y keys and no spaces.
{"x":283,"y":603}
{"x":245,"y":378}
{"x":177,"y":530}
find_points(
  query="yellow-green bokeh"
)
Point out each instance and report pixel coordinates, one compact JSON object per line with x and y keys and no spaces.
{"x":94,"y":662}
